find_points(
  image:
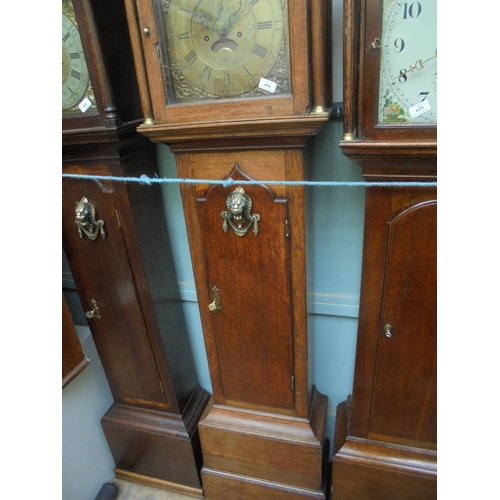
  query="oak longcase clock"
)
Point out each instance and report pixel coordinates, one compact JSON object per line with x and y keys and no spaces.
{"x":386,"y":441}
{"x":116,"y":242}
{"x":236,"y":89}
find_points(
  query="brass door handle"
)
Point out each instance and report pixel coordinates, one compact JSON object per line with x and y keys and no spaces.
{"x":86,"y":220}
{"x":215,"y":305}
{"x":95,"y":312}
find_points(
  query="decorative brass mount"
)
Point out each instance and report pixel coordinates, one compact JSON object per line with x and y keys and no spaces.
{"x":239,"y":205}
{"x":95,"y":312}
{"x":388,"y":330}
{"x":215,"y":305}
{"x":86,"y":220}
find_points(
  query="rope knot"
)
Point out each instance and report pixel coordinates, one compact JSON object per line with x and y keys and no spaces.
{"x":227,"y":183}
{"x":144,"y":179}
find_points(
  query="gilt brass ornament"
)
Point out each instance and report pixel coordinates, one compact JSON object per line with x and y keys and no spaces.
{"x":94,"y":313}
{"x":215,"y":305}
{"x":239,"y":206}
{"x":86,"y":220}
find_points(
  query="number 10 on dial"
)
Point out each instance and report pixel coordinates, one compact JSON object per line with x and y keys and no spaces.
{"x":408,"y":69}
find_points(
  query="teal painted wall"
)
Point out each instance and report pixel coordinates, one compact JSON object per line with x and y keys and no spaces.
{"x":335,"y":236}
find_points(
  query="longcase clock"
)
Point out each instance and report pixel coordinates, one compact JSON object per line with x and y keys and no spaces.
{"x":116,"y":242}
{"x":385,"y":443}
{"x":237,"y":88}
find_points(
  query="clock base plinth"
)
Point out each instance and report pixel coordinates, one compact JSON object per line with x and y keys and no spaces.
{"x":157,"y":448}
{"x":222,"y":485}
{"x":369,"y":469}
{"x":366,"y":468}
{"x":160,"y":484}
{"x":253,"y":454}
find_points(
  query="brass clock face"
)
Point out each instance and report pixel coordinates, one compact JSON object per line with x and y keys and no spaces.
{"x":408,"y":70}
{"x":226,"y":48}
{"x":77,"y":94}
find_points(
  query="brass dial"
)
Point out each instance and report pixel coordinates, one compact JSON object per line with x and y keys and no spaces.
{"x":75,"y":74}
{"x":225,"y":48}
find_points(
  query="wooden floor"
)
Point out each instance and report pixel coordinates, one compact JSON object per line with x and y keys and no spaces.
{"x":135,"y":491}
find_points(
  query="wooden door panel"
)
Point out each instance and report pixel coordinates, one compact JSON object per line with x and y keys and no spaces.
{"x":404,"y":395}
{"x":253,"y":329}
{"x":101,"y":271}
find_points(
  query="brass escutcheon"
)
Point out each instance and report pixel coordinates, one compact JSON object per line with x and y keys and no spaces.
{"x":388,"y":330}
{"x":215,"y":305}
{"x":95,"y":312}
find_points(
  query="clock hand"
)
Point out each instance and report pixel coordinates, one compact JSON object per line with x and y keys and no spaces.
{"x":229,"y":22}
{"x":419,"y":64}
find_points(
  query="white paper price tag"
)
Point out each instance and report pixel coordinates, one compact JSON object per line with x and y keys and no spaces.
{"x":85,"y":104}
{"x":267,"y":85}
{"x":418,"y":109}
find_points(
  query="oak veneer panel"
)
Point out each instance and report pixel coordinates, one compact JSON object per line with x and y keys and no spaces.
{"x":122,"y":340}
{"x":139,"y":439}
{"x":254,"y":340}
{"x":404,"y":404}
{"x":141,"y":336}
{"x":267,"y":449}
{"x":362,"y":482}
{"x":261,"y":278}
{"x":389,"y":439}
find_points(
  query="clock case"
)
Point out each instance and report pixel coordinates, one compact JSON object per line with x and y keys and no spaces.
{"x":385,"y":439}
{"x":263,"y":433}
{"x":140,"y":333}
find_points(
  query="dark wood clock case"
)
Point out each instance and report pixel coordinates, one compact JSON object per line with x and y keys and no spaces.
{"x":386,"y":439}
{"x":263,"y":433}
{"x":124,"y":272}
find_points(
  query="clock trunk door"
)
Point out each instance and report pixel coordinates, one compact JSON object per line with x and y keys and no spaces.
{"x":252,"y":327}
{"x":101,"y":271}
{"x":404,"y":396}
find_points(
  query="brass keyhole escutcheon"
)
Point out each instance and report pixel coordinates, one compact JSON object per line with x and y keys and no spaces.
{"x":215,"y":304}
{"x":388,"y":330}
{"x":94,"y":313}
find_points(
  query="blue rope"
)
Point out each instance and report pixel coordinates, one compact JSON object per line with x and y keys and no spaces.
{"x":145,"y":180}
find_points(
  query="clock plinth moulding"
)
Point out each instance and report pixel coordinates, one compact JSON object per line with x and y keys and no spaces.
{"x":263,"y":433}
{"x":116,"y":242}
{"x":385,"y":439}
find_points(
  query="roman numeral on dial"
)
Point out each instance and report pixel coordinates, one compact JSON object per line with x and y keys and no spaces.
{"x":191,"y":57}
{"x":207,"y":73}
{"x":259,"y":51}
